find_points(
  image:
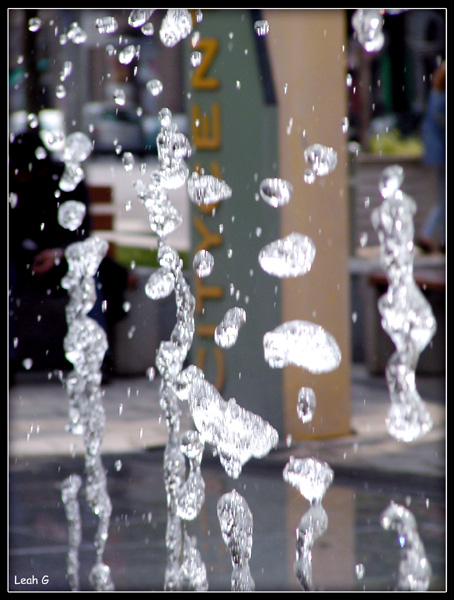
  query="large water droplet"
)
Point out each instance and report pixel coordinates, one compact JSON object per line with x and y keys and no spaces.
{"x":204,"y":190}
{"x":203,"y":263}
{"x":303,"y":344}
{"x":176,"y":26}
{"x":291,"y":256}
{"x":226,"y":333}
{"x":71,"y":214}
{"x":160,"y":284}
{"x":310,"y":476}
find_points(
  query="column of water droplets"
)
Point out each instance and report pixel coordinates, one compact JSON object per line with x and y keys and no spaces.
{"x":406,"y":314}
{"x":85,"y":345}
{"x":184,"y":568}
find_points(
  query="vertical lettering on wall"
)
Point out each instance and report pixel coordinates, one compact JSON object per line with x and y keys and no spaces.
{"x":207,"y":136}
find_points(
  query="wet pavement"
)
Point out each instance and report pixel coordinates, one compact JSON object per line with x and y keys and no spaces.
{"x":371,"y":470}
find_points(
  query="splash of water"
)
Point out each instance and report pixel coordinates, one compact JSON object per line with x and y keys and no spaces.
{"x":236,"y":434}
{"x":291,"y":256}
{"x":312,"y":479}
{"x":303,"y":344}
{"x":414,"y":569}
{"x":235,"y":519}
{"x":407,"y":316}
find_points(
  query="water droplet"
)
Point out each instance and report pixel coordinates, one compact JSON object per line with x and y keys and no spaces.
{"x":196,"y":58}
{"x":175,"y":26}
{"x":203,"y":263}
{"x":151,"y":373}
{"x":360,"y":571}
{"x":119,"y":96}
{"x":291,"y":256}
{"x":71,"y":214}
{"x":391,"y":180}
{"x":78,"y":147}
{"x":139,"y":16}
{"x":106,"y":24}
{"x":309,"y":176}
{"x":32,"y":120}
{"x":34,"y":24}
{"x":306,"y":404}
{"x":127,"y":54}
{"x":261,"y":27}
{"x":321,"y":159}
{"x":27,"y":363}
{"x":276,"y":192}
{"x":147,"y":29}
{"x":310,"y":476}
{"x":368,"y":26}
{"x":303,"y":344}
{"x":40,"y":153}
{"x":160,"y":284}
{"x":204,"y":190}
{"x":154,"y":87}
{"x":226,"y":333}
{"x":128,"y":161}
{"x":60,"y":91}
{"x":76,"y":34}
{"x":235,"y":520}
{"x":53,"y":140}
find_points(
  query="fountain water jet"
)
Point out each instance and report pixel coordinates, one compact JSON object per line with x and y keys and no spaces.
{"x":406,"y":314}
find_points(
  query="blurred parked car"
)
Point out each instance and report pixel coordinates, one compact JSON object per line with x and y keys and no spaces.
{"x":110,"y":126}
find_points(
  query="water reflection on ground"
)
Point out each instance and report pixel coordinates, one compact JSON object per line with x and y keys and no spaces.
{"x":355,"y":552}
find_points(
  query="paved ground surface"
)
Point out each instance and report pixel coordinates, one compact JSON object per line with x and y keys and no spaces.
{"x":371,"y":470}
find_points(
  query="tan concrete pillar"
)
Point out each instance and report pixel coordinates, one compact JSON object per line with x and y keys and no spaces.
{"x":308,"y":56}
